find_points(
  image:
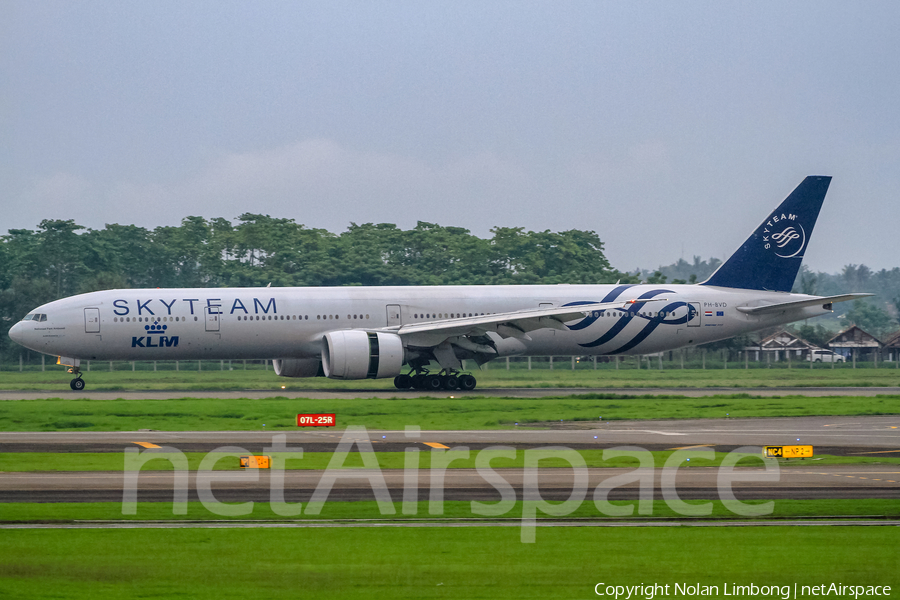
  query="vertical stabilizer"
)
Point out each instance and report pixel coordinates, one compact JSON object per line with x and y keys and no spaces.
{"x":771,"y":256}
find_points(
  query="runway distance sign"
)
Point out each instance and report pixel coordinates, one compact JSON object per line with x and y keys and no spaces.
{"x":316,"y":420}
{"x":787,"y":451}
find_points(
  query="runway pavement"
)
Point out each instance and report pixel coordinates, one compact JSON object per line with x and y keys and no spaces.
{"x":861,"y":433}
{"x":325,"y":393}
{"x":807,"y":482}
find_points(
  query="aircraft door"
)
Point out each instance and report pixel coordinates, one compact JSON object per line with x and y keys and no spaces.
{"x":693,"y":314}
{"x":92,"y":320}
{"x":393,"y":315}
{"x":211,"y":318}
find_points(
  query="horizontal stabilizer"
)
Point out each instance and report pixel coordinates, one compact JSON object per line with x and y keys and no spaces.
{"x":783,"y":306}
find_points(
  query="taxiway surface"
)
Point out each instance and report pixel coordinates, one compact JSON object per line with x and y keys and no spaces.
{"x":865,"y":436}
{"x":326,"y":393}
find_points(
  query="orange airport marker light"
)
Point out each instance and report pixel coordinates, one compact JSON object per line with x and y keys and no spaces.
{"x":254,"y":462}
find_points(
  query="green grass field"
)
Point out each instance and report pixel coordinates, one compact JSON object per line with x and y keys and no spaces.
{"x":50,"y":512}
{"x":470,"y":412}
{"x":424,"y":561}
{"x":100,"y":378}
{"x":430,"y":562}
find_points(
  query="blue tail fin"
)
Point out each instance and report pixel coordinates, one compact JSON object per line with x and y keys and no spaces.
{"x":771,"y":256}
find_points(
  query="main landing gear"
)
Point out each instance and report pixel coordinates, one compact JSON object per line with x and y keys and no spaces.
{"x":76,"y":384}
{"x":446,"y":379}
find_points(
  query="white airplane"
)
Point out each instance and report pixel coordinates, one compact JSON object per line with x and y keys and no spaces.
{"x":378,"y":332}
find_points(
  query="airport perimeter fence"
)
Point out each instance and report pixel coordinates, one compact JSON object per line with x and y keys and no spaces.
{"x":695,"y":358}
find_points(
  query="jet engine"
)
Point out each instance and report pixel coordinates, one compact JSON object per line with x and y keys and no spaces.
{"x":356,"y":354}
{"x":298,"y":367}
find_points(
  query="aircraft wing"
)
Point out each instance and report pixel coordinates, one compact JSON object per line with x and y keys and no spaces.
{"x":515,"y":324}
{"x":783,"y":306}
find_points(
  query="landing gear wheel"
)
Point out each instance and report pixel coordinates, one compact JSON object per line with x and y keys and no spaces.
{"x":467,"y":382}
{"x":450,"y":382}
{"x":418,"y":381}
{"x":402,"y":382}
{"x":77,"y":384}
{"x":432,"y":383}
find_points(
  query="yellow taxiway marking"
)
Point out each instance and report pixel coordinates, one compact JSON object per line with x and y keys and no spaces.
{"x":436,"y":445}
{"x":145,"y":444}
{"x":697,"y":446}
{"x":878,"y":452}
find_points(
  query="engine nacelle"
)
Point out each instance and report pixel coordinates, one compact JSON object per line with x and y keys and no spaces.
{"x":355,"y":354}
{"x":298,"y":367}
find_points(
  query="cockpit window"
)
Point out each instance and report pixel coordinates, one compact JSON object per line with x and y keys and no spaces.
{"x":43,"y":318}
{"x":35,"y":317}
{"x":29,"y":317}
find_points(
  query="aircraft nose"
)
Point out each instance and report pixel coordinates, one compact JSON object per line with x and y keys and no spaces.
{"x":17,"y":333}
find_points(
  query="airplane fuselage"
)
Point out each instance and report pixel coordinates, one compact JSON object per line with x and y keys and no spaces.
{"x":278,"y":323}
{"x":376,"y":332}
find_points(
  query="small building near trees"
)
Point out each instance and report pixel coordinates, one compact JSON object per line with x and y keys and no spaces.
{"x":890,"y":349}
{"x":781,"y":345}
{"x":854,"y":343}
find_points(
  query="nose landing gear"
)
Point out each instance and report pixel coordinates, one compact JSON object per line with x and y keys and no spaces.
{"x":76,"y":384}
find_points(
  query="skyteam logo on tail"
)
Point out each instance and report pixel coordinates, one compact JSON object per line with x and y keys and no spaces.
{"x":155,"y":337}
{"x":784,"y":235}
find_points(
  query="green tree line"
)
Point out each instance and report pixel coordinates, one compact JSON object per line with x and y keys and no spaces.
{"x":61,"y":258}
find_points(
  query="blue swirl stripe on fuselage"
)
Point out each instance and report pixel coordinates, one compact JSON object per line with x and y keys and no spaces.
{"x":653,"y":324}
{"x":588,"y":321}
{"x":623,"y":322}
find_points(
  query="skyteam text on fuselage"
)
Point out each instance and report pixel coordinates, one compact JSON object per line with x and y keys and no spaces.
{"x":377,"y":332}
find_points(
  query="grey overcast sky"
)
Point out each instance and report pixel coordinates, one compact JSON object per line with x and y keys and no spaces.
{"x":669,"y":128}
